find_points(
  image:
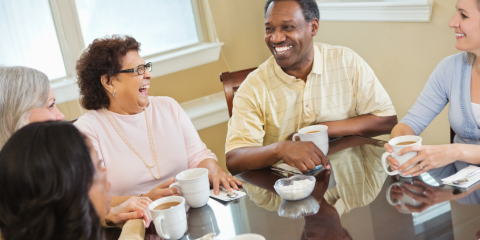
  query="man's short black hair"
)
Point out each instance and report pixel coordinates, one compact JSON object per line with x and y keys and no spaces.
{"x":309,"y":8}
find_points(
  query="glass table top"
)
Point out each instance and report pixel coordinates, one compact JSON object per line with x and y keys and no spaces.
{"x":356,"y":199}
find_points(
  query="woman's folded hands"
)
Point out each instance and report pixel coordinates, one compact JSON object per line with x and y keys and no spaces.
{"x":133,"y":208}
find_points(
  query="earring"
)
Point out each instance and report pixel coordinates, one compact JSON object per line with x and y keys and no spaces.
{"x":113,"y":94}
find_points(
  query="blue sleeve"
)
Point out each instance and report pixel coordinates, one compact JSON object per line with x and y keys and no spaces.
{"x":432,"y":99}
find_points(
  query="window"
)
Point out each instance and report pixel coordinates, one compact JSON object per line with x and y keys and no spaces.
{"x":30,"y":41}
{"x":160,"y":25}
{"x":175,"y":35}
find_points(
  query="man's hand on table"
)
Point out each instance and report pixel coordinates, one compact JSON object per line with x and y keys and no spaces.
{"x":303,"y":155}
{"x":133,"y":208}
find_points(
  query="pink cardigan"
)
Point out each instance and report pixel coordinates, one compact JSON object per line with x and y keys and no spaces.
{"x":177,"y":144}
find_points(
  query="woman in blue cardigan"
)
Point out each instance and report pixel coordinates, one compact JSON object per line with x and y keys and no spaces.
{"x":456,"y":80}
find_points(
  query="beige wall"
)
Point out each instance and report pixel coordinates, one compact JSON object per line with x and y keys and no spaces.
{"x":403,"y":55}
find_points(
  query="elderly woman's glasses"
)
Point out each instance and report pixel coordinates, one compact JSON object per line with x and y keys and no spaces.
{"x":140,"y":69}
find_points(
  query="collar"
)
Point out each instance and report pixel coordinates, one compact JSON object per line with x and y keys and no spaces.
{"x":317,"y":66}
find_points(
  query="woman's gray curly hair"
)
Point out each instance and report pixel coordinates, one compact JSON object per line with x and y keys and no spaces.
{"x":21,"y":90}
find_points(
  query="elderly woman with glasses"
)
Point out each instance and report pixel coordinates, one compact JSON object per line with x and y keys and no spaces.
{"x":144,"y":141}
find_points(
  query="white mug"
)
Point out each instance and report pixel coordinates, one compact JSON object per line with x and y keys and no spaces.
{"x":194,"y":186}
{"x":170,"y":223}
{"x":405,"y":200}
{"x":397,"y":148}
{"x":320,"y":138}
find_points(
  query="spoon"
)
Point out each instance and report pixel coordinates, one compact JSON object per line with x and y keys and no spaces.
{"x":209,"y":236}
{"x":229,"y":194}
{"x":456,"y":182}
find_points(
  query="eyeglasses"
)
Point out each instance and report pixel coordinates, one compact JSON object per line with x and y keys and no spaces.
{"x":140,"y":69}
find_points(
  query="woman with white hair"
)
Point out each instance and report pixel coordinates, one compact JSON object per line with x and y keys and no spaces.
{"x":25,"y":97}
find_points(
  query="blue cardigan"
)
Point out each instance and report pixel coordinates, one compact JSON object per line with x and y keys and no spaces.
{"x":449,"y":82}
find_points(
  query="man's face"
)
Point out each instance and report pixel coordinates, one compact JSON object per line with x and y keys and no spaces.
{"x":288,"y":36}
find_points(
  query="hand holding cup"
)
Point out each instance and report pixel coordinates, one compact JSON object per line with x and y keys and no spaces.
{"x":307,"y":149}
{"x":397,"y":145}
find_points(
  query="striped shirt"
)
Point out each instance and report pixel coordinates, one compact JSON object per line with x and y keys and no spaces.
{"x":270,"y":105}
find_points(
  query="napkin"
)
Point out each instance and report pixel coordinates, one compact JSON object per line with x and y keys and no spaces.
{"x":223,"y":195}
{"x":287,"y":167}
{"x":461,"y":175}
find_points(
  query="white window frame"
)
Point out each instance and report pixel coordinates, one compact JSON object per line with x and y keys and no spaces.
{"x":381,"y":11}
{"x":71,"y":43}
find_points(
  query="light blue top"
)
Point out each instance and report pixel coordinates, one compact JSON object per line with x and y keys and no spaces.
{"x":449,"y":82}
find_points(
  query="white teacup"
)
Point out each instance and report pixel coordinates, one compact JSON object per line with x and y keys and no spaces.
{"x":170,"y":223}
{"x":319,"y":137}
{"x":405,"y":200}
{"x":397,"y":148}
{"x":194,"y":186}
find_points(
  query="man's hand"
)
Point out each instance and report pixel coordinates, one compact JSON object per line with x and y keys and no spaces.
{"x":162,"y":190}
{"x":303,"y":155}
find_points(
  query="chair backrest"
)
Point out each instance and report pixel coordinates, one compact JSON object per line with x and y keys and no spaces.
{"x":231,"y":82}
{"x":452,"y":135}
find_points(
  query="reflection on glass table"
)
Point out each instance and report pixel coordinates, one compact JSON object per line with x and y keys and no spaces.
{"x":348,"y":204}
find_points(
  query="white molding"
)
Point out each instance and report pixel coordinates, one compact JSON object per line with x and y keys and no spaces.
{"x":379,"y":11}
{"x":429,"y":214}
{"x":207,"y":111}
{"x":67,"y":89}
{"x":185,"y":58}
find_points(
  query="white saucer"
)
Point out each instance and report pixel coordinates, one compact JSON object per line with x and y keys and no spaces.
{"x":248,"y":236}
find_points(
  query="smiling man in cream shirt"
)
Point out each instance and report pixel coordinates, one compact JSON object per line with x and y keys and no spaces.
{"x":302,"y":84}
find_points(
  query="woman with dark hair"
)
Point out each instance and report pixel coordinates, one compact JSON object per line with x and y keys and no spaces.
{"x":144,"y":141}
{"x":26,"y":97}
{"x":52,"y":186}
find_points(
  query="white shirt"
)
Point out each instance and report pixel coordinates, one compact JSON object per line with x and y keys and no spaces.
{"x":476,"y":111}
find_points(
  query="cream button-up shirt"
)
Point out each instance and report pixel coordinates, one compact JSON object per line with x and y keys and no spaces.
{"x":270,"y":105}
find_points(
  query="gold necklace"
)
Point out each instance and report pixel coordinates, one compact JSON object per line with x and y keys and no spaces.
{"x":152,"y":144}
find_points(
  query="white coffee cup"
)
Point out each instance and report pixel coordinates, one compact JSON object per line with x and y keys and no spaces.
{"x":404,"y":201}
{"x":397,"y":148}
{"x":194,"y":186}
{"x":320,"y":138}
{"x":170,"y":223}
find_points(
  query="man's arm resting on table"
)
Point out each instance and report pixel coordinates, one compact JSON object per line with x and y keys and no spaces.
{"x":251,"y":158}
{"x":368,"y":125}
{"x":302,"y":155}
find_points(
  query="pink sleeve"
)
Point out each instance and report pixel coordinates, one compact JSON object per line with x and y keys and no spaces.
{"x":88,"y":130}
{"x":197,"y":151}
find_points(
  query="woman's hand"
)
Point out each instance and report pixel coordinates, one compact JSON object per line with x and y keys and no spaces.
{"x":162,"y":190}
{"x":133,"y":208}
{"x":428,"y":157}
{"x":217,"y":176}
{"x":429,"y":195}
{"x":392,"y":162}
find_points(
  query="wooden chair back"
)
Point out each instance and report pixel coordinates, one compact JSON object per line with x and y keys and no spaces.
{"x":231,"y":81}
{"x":452,"y":135}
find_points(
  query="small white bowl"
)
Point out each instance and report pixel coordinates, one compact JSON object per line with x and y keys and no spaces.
{"x":295,"y":193}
